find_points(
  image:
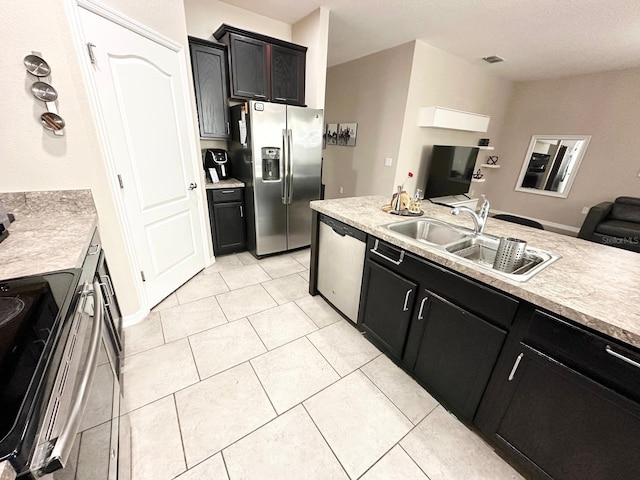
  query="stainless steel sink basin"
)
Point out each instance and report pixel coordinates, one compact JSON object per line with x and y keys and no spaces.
{"x":481,"y":250}
{"x":429,"y":231}
{"x":478,"y":249}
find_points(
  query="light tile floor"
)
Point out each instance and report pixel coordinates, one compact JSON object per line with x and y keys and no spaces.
{"x":242,"y":375}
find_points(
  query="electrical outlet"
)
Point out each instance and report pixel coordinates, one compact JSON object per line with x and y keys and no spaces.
{"x":341,"y":190}
{"x":388,"y":162}
{"x":585,"y":210}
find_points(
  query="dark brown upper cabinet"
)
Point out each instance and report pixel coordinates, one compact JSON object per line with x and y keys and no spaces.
{"x":264,"y":68}
{"x":209,"y":65}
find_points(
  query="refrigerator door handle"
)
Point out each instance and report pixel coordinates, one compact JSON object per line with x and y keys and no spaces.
{"x":290,"y":167}
{"x":283,"y":167}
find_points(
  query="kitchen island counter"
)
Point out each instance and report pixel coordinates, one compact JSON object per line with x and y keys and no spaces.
{"x":594,"y":285}
{"x":51,"y":231}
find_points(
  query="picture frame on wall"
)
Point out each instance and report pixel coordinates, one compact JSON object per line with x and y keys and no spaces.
{"x":332,"y":134}
{"x":347,"y":133}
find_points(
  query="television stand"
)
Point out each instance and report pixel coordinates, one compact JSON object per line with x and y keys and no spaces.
{"x":457,"y":201}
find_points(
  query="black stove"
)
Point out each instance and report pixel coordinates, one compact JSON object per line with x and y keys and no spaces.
{"x":33,"y":314}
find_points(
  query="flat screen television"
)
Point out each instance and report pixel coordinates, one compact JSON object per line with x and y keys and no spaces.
{"x":450,"y":170}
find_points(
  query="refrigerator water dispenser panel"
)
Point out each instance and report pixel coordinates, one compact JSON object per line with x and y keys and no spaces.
{"x":270,"y":164}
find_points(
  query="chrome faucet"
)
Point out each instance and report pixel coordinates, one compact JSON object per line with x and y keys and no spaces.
{"x":479,"y":219}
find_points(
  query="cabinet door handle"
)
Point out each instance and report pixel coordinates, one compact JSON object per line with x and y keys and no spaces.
{"x":111,"y":290}
{"x":395,"y":262}
{"x":515,"y":366}
{"x":406,"y":300}
{"x":227,"y":128}
{"x":281,"y":99}
{"x":241,"y":212}
{"x":424,"y":300}
{"x":260,"y":96}
{"x":228,"y":191}
{"x":193,"y":186}
{"x":610,"y":351}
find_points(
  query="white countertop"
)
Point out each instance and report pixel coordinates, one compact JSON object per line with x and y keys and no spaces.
{"x":51,"y":231}
{"x":594,"y":285}
{"x":228,"y":183}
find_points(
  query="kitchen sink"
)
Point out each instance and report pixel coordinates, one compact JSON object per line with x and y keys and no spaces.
{"x":429,"y":231}
{"x":478,"y":249}
{"x":481,"y":250}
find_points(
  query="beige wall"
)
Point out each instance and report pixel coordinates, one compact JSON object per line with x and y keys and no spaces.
{"x":605,"y":106}
{"x":205,"y":16}
{"x":372,"y":92}
{"x":439,"y":78}
{"x":313,"y":32}
{"x":33,"y":159}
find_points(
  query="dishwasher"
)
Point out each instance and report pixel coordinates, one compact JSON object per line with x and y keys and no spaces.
{"x":341,"y":255}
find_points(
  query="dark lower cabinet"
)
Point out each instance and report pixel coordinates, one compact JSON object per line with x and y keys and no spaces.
{"x":388,"y":303}
{"x":445,"y":344}
{"x":226,"y":214}
{"x":457,"y":353}
{"x":565,"y":425}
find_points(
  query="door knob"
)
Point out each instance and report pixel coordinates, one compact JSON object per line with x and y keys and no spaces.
{"x":192,"y":185}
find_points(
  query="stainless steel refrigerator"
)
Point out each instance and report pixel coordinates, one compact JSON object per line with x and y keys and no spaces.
{"x":276,"y":150}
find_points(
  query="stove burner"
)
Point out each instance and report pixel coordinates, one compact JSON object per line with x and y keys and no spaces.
{"x":10,"y":307}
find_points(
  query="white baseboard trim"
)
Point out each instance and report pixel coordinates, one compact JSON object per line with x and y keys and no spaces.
{"x":137,"y":317}
{"x":566,"y":229}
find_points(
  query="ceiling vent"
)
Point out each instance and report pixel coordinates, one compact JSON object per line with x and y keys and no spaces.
{"x":493,"y":59}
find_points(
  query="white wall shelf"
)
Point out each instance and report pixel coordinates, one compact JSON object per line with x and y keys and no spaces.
{"x":440,"y":117}
{"x":478,"y":180}
{"x":486,"y":165}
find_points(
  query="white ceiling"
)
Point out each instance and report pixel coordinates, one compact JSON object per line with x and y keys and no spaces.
{"x":539,"y":38}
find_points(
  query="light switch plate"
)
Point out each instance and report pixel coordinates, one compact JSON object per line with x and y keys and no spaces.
{"x":388,"y":162}
{"x":585,"y":210}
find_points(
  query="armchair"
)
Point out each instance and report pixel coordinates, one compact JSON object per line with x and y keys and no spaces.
{"x":614,"y":223}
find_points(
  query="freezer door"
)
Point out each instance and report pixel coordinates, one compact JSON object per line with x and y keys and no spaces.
{"x":305,"y":159}
{"x":267,"y":124}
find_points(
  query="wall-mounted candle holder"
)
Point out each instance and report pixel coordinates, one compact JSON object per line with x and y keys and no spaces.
{"x":44,"y":92}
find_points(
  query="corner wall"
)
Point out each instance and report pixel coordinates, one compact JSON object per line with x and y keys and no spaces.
{"x":313,"y":32}
{"x":603,"y":105}
{"x":439,"y":78}
{"x":372,"y":92}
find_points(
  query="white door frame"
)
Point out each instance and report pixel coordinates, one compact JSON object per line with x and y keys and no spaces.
{"x":116,"y":17}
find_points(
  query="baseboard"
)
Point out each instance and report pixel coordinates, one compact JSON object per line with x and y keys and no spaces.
{"x":134,"y":318}
{"x":554,"y":227}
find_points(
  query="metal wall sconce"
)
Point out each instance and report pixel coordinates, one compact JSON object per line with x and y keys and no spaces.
{"x":50,"y":120}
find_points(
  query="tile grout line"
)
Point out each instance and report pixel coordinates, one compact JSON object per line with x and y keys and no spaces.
{"x":164,"y":338}
{"x":259,"y":337}
{"x":384,"y":394}
{"x":413,"y":427}
{"x":224,"y":462}
{"x":413,"y":461}
{"x":184,"y":453}
{"x":195,"y":362}
{"x":321,"y":354}
{"x":325,"y":441}
{"x":264,"y":390}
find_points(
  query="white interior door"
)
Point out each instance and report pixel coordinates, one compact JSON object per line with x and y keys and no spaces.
{"x":145,"y":110}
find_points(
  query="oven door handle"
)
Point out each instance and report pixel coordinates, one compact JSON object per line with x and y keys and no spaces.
{"x":59,"y":455}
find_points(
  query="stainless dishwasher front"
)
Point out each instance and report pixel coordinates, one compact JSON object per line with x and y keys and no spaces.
{"x":341,"y":255}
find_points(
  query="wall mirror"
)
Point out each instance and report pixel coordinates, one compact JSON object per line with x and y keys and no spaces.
{"x":551,"y":164}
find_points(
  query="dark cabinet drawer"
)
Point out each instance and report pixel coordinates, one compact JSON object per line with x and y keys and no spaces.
{"x":596,"y":356}
{"x":227,"y":195}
